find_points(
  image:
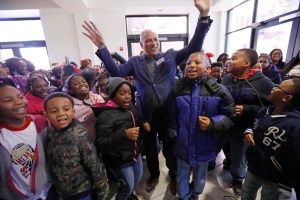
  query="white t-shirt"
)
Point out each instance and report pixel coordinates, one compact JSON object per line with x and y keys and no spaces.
{"x":21,"y":143}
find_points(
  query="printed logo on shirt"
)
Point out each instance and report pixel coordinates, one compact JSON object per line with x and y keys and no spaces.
{"x":274,"y":137}
{"x":23,"y":155}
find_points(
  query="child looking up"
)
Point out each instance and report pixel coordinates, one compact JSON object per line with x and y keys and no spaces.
{"x":74,"y":165}
{"x":23,"y":173}
{"x":249,"y":89}
{"x":274,"y":151}
{"x":118,"y":137}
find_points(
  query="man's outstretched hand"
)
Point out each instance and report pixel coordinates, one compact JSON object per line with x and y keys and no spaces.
{"x":203,"y":6}
{"x":94,"y":34}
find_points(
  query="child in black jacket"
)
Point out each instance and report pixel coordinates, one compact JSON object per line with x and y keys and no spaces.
{"x":118,"y":137}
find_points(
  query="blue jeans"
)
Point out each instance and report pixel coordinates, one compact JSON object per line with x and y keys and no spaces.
{"x":128,"y":178}
{"x":238,"y":168}
{"x":185,"y":188}
{"x":253,"y":183}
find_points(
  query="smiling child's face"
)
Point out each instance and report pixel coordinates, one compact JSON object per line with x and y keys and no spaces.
{"x":60,"y":112}
{"x":13,"y":105}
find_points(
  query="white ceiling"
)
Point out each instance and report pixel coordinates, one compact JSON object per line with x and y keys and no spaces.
{"x":15,"y":8}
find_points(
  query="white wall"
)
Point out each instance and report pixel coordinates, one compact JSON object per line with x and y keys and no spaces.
{"x":113,"y":28}
{"x":60,"y":35}
{"x":63,"y":33}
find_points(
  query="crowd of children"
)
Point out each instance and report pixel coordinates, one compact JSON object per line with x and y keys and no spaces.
{"x":65,"y":134}
{"x":60,"y":138}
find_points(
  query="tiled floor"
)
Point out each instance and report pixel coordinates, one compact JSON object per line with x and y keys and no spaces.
{"x":216,"y":187}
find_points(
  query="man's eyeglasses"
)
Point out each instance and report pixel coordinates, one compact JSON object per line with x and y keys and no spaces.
{"x":283,"y":90}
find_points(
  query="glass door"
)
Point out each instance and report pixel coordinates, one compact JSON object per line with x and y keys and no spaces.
{"x":277,"y":35}
{"x":6,"y":53}
{"x":38,"y":56}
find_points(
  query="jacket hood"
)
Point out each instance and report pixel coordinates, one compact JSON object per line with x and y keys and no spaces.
{"x":254,"y":76}
{"x":100,"y":107}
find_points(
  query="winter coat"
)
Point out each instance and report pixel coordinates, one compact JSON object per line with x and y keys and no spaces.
{"x":252,"y":93}
{"x":117,"y":149}
{"x":73,"y":162}
{"x":190,"y":99}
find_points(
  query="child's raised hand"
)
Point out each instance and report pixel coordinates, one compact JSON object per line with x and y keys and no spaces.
{"x":204,"y":122}
{"x":248,"y":139}
{"x":147,"y":126}
{"x":132,"y":133}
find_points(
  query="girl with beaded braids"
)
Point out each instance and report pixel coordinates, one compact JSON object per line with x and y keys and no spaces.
{"x":37,"y":89}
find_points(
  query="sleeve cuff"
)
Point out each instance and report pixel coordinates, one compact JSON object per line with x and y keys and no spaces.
{"x":205,"y":19}
{"x":248,"y":130}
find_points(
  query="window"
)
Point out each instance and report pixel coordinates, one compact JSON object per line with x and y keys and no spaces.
{"x":172,"y":31}
{"x":241,"y":16}
{"x":22,"y":30}
{"x":176,"y":45}
{"x":268,"y":25}
{"x":5,"y":54}
{"x":37,"y":55}
{"x":238,"y":40}
{"x":239,"y":30}
{"x":24,"y":38}
{"x":160,"y":24}
{"x":270,"y":9}
{"x":268,"y":38}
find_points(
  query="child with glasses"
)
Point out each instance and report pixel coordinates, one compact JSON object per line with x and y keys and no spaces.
{"x":274,"y":153}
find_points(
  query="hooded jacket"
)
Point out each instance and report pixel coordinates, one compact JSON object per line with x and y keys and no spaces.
{"x":117,"y":150}
{"x":276,"y":154}
{"x":190,"y":99}
{"x":252,"y":93}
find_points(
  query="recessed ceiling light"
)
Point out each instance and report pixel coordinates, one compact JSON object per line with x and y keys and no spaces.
{"x":160,"y":9}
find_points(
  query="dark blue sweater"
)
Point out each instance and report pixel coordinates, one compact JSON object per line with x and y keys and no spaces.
{"x":276,"y":154}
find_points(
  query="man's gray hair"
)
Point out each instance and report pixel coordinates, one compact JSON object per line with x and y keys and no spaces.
{"x":142,"y":35}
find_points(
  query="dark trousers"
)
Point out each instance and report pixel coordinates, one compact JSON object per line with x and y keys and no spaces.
{"x":150,"y":147}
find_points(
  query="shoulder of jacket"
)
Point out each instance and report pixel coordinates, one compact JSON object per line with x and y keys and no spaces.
{"x":212,"y":85}
{"x":179,"y":85}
